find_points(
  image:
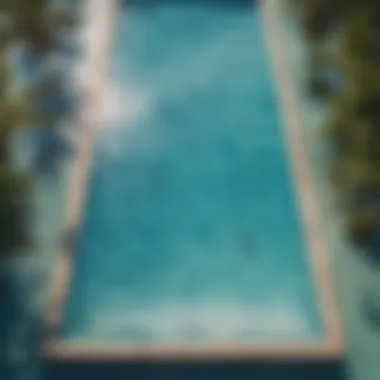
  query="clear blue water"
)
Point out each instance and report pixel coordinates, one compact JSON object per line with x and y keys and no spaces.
{"x":191,"y":230}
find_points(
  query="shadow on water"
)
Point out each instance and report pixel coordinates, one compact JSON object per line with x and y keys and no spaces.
{"x":220,"y":4}
{"x":205,"y":371}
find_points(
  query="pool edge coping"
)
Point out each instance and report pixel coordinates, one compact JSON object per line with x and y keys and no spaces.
{"x":330,"y":347}
{"x":64,"y":351}
{"x":318,"y":262}
{"x":96,"y":67}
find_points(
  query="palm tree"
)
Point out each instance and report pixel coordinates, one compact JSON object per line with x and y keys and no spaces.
{"x":44,"y":30}
{"x":18,"y":107}
{"x":352,"y":29}
{"x":315,"y":17}
{"x":347,"y":78}
{"x":15,"y":208}
{"x":39,"y":26}
{"x":17,"y":110}
{"x":38,"y":23}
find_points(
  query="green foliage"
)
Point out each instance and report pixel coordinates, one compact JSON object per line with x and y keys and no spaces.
{"x":344,"y":38}
{"x":16,"y":110}
{"x":17,"y":107}
{"x":360,"y":227}
{"x":15,"y":206}
{"x":37,"y":23}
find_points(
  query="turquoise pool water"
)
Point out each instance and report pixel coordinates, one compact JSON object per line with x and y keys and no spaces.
{"x":191,"y":230}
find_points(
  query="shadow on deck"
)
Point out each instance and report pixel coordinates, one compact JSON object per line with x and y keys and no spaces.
{"x":205,"y":371}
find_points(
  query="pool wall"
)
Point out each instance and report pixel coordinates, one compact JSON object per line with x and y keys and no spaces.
{"x":98,"y":31}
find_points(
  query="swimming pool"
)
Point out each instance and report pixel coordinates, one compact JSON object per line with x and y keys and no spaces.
{"x":191,"y":230}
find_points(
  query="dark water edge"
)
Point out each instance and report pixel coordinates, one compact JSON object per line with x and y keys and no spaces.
{"x":7,"y":314}
{"x":223,"y":371}
{"x":220,"y":4}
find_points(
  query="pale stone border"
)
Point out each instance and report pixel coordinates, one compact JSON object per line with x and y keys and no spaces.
{"x":113,"y":352}
{"x":330,"y":348}
{"x":296,"y":147}
{"x":92,"y":74}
